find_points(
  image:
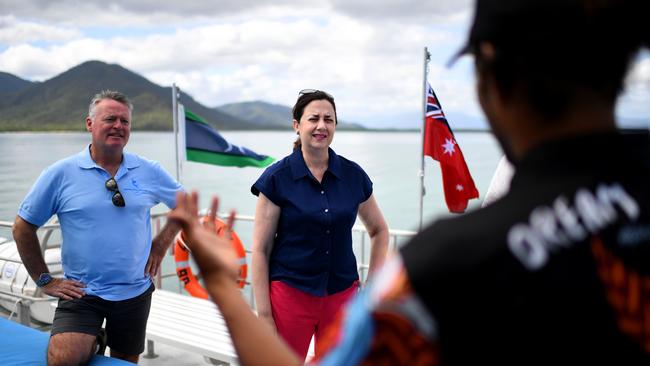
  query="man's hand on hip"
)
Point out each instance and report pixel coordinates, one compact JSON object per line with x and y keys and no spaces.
{"x":155,"y":258}
{"x":64,"y":289}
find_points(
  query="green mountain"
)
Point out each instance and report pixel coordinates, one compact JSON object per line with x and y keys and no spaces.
{"x":12,"y":84}
{"x":263,"y":114}
{"x":271,"y":116}
{"x":61,"y":103}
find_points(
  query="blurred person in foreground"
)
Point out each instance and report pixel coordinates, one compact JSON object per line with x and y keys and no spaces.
{"x":102,"y":197}
{"x":554,"y":272}
{"x":304,"y":268}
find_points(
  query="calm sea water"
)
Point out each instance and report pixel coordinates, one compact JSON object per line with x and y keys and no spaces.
{"x":392,"y":160}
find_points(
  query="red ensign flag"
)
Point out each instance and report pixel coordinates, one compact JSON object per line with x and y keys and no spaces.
{"x":440,"y":144}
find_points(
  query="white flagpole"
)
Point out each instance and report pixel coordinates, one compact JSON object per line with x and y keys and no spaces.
{"x":175,"y":96}
{"x":427,"y":57}
{"x":182,"y":143}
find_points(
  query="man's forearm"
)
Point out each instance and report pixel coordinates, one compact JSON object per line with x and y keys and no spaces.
{"x":29,"y":248}
{"x":166,"y":236}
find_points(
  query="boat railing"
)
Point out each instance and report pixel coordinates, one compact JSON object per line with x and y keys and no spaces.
{"x":22,"y":301}
{"x":361,"y":246}
{"x":360,"y":238}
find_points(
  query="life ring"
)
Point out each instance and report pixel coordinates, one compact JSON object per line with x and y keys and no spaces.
{"x":184,"y":271}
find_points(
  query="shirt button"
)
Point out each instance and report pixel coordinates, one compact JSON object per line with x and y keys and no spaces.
{"x":322,"y":192}
{"x":327,"y":231}
{"x":327,"y":210}
{"x":327,"y":252}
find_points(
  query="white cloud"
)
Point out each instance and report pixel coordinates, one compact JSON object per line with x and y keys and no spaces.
{"x":634,"y":103}
{"x":30,"y":62}
{"x":434,"y":11}
{"x":640,"y":74}
{"x":372,"y":71}
{"x":15,"y":32}
{"x":96,"y":12}
{"x":150,"y":13}
{"x":368,"y":57}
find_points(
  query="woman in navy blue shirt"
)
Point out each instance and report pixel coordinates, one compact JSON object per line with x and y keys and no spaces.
{"x":303,"y":265}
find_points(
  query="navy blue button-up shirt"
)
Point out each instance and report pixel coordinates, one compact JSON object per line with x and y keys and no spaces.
{"x":312,"y":250}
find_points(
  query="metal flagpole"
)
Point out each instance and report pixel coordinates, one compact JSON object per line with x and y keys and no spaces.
{"x":427,"y":57}
{"x":175,"y":96}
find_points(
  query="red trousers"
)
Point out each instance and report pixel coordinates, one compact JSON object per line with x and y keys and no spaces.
{"x":299,"y":315}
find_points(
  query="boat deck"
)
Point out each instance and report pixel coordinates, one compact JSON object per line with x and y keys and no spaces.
{"x":166,"y":355}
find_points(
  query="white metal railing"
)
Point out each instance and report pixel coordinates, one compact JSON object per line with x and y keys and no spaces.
{"x":23,"y":301}
{"x":358,"y":230}
{"x":360,"y":240}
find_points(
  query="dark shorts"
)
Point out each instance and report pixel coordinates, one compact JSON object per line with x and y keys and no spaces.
{"x":126,"y":320}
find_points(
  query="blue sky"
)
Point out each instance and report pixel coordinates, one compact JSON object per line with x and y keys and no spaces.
{"x":368,"y":54}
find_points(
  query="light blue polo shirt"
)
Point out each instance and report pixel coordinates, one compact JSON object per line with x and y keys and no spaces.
{"x":104,"y":246}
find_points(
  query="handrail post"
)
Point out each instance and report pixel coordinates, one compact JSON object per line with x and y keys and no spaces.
{"x":22,"y":307}
{"x":151,"y":352}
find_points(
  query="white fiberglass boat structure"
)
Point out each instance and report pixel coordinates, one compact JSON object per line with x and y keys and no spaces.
{"x":18,"y":292}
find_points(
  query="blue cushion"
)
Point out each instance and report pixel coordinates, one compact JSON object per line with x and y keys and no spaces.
{"x":21,"y":345}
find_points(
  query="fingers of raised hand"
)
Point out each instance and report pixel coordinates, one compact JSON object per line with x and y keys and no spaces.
{"x":179,"y":213}
{"x":211,"y":215}
{"x":230,"y":223}
{"x":181,"y":201}
{"x":186,"y":211}
{"x":214,"y":207}
{"x":193,"y":203}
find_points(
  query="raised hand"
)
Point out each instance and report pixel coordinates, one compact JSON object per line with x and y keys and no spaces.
{"x":213,"y":254}
{"x":210,"y":218}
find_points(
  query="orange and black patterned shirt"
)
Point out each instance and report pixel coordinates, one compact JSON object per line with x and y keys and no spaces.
{"x":556,"y":272}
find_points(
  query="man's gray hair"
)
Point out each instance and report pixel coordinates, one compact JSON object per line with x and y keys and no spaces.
{"x":108,"y":94}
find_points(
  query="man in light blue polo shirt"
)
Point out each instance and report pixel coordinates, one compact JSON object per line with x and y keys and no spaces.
{"x":102,"y":197}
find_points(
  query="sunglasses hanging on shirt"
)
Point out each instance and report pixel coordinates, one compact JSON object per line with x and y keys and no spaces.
{"x":118,"y":199}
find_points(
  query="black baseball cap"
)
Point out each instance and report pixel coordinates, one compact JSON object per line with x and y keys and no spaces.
{"x":554,"y":24}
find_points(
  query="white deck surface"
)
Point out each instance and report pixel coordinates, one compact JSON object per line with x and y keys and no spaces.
{"x":191,"y":324}
{"x":168,"y":355}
